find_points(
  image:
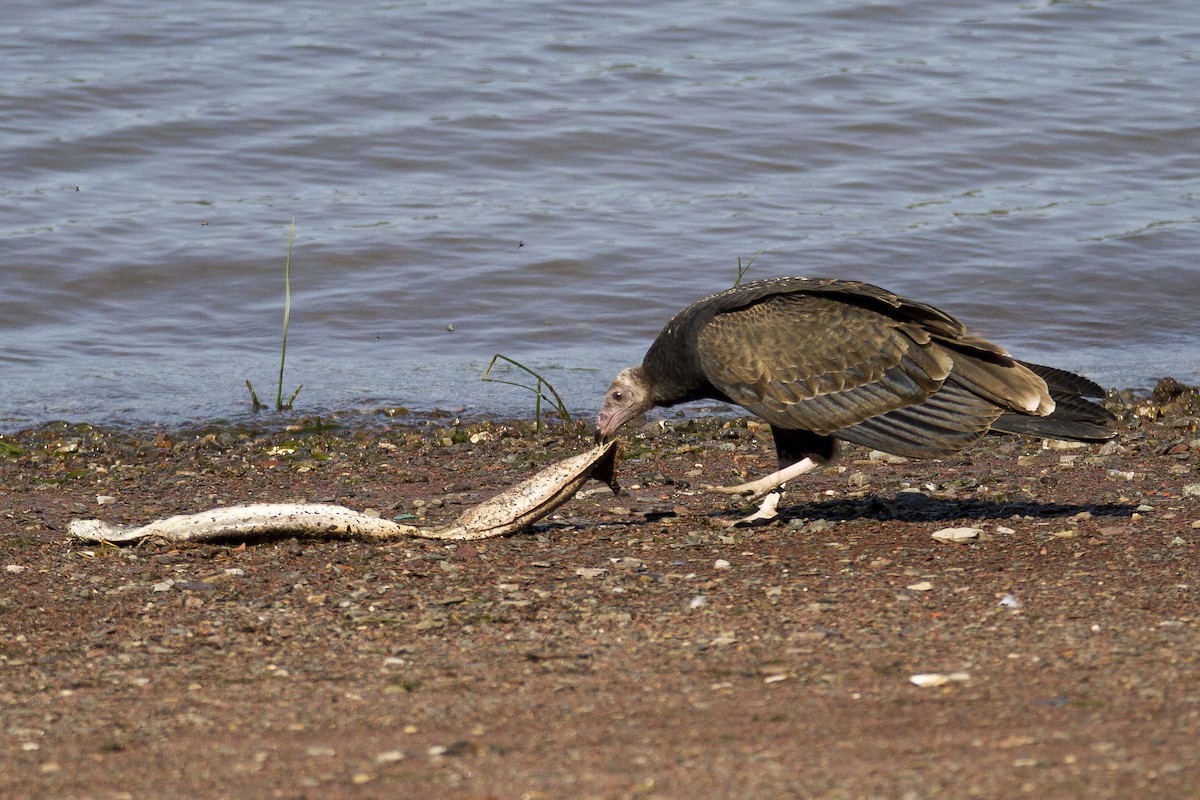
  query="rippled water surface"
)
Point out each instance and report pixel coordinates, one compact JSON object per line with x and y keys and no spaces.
{"x":552,"y":180}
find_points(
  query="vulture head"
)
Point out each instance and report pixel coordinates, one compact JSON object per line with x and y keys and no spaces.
{"x":629,"y":396}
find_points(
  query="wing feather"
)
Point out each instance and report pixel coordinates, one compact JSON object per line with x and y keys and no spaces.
{"x":944,"y":424}
{"x":854,"y":361}
{"x":819,"y":364}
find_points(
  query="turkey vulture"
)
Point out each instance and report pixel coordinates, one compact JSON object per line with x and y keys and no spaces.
{"x":826,"y":360}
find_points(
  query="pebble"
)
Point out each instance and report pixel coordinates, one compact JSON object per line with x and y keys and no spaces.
{"x":721,"y":563}
{"x":924,"y":679}
{"x":1191,"y":490}
{"x":14,"y":568}
{"x":957,"y":535}
{"x":923,"y":586}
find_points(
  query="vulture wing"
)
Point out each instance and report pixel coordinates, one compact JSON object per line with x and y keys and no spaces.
{"x":898,"y":376}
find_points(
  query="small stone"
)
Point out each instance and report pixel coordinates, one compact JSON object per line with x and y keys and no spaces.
{"x":431,"y":620}
{"x":721,"y":563}
{"x":1056,"y":444}
{"x":923,"y":586}
{"x":957,"y":535}
{"x":14,"y":568}
{"x":389,"y":757}
{"x":1191,"y":490}
{"x":318,"y":751}
{"x":105,"y":499}
{"x":697,"y":601}
{"x":925,"y":679}
{"x":590,"y":572}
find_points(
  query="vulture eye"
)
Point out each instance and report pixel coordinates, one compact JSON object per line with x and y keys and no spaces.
{"x":617,"y":395}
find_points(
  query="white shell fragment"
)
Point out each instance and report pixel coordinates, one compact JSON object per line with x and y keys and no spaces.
{"x":926,"y":679}
{"x":507,"y":512}
{"x":957,"y":535}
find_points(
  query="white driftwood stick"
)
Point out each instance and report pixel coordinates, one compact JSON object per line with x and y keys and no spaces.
{"x":507,"y":512}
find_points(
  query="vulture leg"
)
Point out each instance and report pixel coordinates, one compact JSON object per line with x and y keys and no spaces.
{"x":798,"y":452}
{"x":765,"y":485}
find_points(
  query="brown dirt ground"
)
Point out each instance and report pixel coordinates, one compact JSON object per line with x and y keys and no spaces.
{"x":627,"y":647}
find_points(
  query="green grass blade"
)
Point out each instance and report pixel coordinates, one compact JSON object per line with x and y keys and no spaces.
{"x":538,"y":394}
{"x":287,"y":313}
{"x":743,"y":270}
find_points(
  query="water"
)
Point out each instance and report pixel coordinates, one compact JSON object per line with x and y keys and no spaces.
{"x":552,"y":180}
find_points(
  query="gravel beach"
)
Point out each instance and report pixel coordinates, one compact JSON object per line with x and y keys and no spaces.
{"x":1021,"y":620}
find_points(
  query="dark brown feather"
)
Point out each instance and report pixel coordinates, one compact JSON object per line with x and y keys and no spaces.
{"x":851,"y":360}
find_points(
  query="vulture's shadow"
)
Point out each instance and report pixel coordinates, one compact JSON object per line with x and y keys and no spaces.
{"x":921,"y":508}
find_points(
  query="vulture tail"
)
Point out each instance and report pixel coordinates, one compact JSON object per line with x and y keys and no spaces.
{"x":1074,"y":418}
